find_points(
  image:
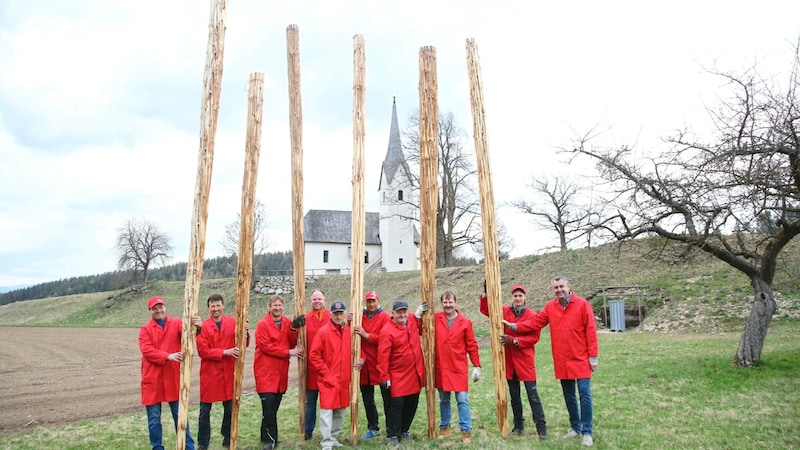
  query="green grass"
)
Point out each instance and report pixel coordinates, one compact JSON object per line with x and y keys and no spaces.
{"x":651,"y":391}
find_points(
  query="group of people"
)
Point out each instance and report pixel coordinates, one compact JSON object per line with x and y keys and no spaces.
{"x":391,"y":358}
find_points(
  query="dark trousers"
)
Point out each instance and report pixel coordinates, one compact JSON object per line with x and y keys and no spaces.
{"x":370,"y":408}
{"x":204,"y":424}
{"x":270,"y":402}
{"x":311,"y":411}
{"x":400,"y":414}
{"x":533,"y":399}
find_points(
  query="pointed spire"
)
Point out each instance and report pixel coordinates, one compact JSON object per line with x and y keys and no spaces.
{"x":394,"y":154}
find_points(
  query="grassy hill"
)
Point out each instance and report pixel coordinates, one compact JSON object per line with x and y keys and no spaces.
{"x":683,"y":292}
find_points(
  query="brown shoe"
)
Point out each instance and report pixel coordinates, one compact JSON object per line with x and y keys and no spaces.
{"x":444,"y":433}
{"x":466,"y":437}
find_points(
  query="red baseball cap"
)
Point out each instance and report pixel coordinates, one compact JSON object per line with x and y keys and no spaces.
{"x":371,"y":295}
{"x":154,"y":301}
{"x":519,"y":287}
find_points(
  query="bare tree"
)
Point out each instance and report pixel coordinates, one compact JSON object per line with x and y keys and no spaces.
{"x":140,"y":245}
{"x":261,"y":242}
{"x":715,"y":195}
{"x":562,"y":205}
{"x":457,"y":213}
{"x":505,"y":243}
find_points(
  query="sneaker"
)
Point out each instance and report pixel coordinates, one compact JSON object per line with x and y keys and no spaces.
{"x":370,"y":434}
{"x":587,"y":440}
{"x":268,"y":446}
{"x":517,"y":432}
{"x":393,"y":441}
{"x":202,"y":447}
{"x":407,"y":437}
{"x":543,"y":436}
{"x":572,"y":434}
{"x":337,"y":444}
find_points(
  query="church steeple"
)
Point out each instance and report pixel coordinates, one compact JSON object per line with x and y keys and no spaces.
{"x":394,"y":154}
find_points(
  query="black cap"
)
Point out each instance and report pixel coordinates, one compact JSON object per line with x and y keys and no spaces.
{"x":399,"y":304}
{"x":338,"y":306}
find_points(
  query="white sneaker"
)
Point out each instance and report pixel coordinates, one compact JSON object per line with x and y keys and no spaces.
{"x":572,"y":433}
{"x":587,"y":440}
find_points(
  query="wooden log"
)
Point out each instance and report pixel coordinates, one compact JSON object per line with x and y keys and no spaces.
{"x":255,"y":106}
{"x":490,"y":247}
{"x":298,"y":248}
{"x":209,"y":110}
{"x":428,"y":202}
{"x":358,"y":231}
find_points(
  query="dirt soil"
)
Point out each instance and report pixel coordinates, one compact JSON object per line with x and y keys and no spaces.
{"x":55,"y":376}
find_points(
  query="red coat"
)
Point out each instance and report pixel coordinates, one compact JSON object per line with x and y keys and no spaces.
{"x":271,"y":362}
{"x":573,"y":335}
{"x":330,"y":357}
{"x":313,"y":324}
{"x":521,"y":358}
{"x":400,"y":357}
{"x":161,"y":379}
{"x":452,"y":346}
{"x":216,"y":371}
{"x":369,"y":347}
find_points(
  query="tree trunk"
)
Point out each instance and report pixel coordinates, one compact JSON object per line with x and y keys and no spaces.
{"x":755,"y":332}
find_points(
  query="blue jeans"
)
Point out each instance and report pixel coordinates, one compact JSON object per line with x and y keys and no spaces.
{"x":154,"y":425}
{"x":311,"y":411}
{"x":580,"y":417}
{"x":204,"y":423}
{"x":464,"y":415}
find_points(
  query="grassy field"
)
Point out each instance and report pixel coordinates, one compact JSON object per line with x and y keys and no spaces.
{"x":651,"y":391}
{"x":667,"y":384}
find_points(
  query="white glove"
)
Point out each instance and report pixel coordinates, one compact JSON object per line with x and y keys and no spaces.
{"x":476,"y":374}
{"x":421,"y":309}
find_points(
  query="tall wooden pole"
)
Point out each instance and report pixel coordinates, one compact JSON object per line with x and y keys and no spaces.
{"x":298,"y":248}
{"x":490,"y":247}
{"x":209,"y":110}
{"x":428,"y":202}
{"x":255,"y":106}
{"x":358,"y":232}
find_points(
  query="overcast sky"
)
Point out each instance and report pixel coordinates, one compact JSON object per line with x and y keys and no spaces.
{"x":100,"y":103}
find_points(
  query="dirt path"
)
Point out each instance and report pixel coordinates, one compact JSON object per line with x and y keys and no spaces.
{"x":54,"y":376}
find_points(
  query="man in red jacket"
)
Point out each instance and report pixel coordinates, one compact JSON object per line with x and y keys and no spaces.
{"x":574,"y":343}
{"x":401,"y":369}
{"x":455,"y":339}
{"x":330,"y":356}
{"x":216,"y":346}
{"x":372,"y":320}
{"x":520,"y":359}
{"x":276,"y":342}
{"x":317,"y":318}
{"x":162,"y":353}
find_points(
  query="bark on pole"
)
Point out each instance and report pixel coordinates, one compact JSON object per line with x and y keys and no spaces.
{"x":428,"y":202}
{"x":490,"y":247}
{"x":358,"y":232}
{"x":298,"y":248}
{"x":209,"y":110}
{"x":255,"y":106}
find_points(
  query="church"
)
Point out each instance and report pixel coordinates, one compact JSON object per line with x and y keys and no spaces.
{"x":392,"y":238}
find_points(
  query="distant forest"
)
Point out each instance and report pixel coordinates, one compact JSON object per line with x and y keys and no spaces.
{"x":278,"y":263}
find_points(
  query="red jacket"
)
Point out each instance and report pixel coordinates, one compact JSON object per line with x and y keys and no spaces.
{"x":521,"y":358}
{"x":330,"y":357}
{"x":161,"y":379}
{"x":573,"y":335}
{"x":369,"y":347}
{"x":216,"y":371}
{"x":400,"y":357}
{"x":271,"y":362}
{"x":313,"y":324}
{"x":452,"y":346}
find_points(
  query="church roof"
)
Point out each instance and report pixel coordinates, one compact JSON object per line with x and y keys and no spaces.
{"x":322,"y":225}
{"x":394,"y":160}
